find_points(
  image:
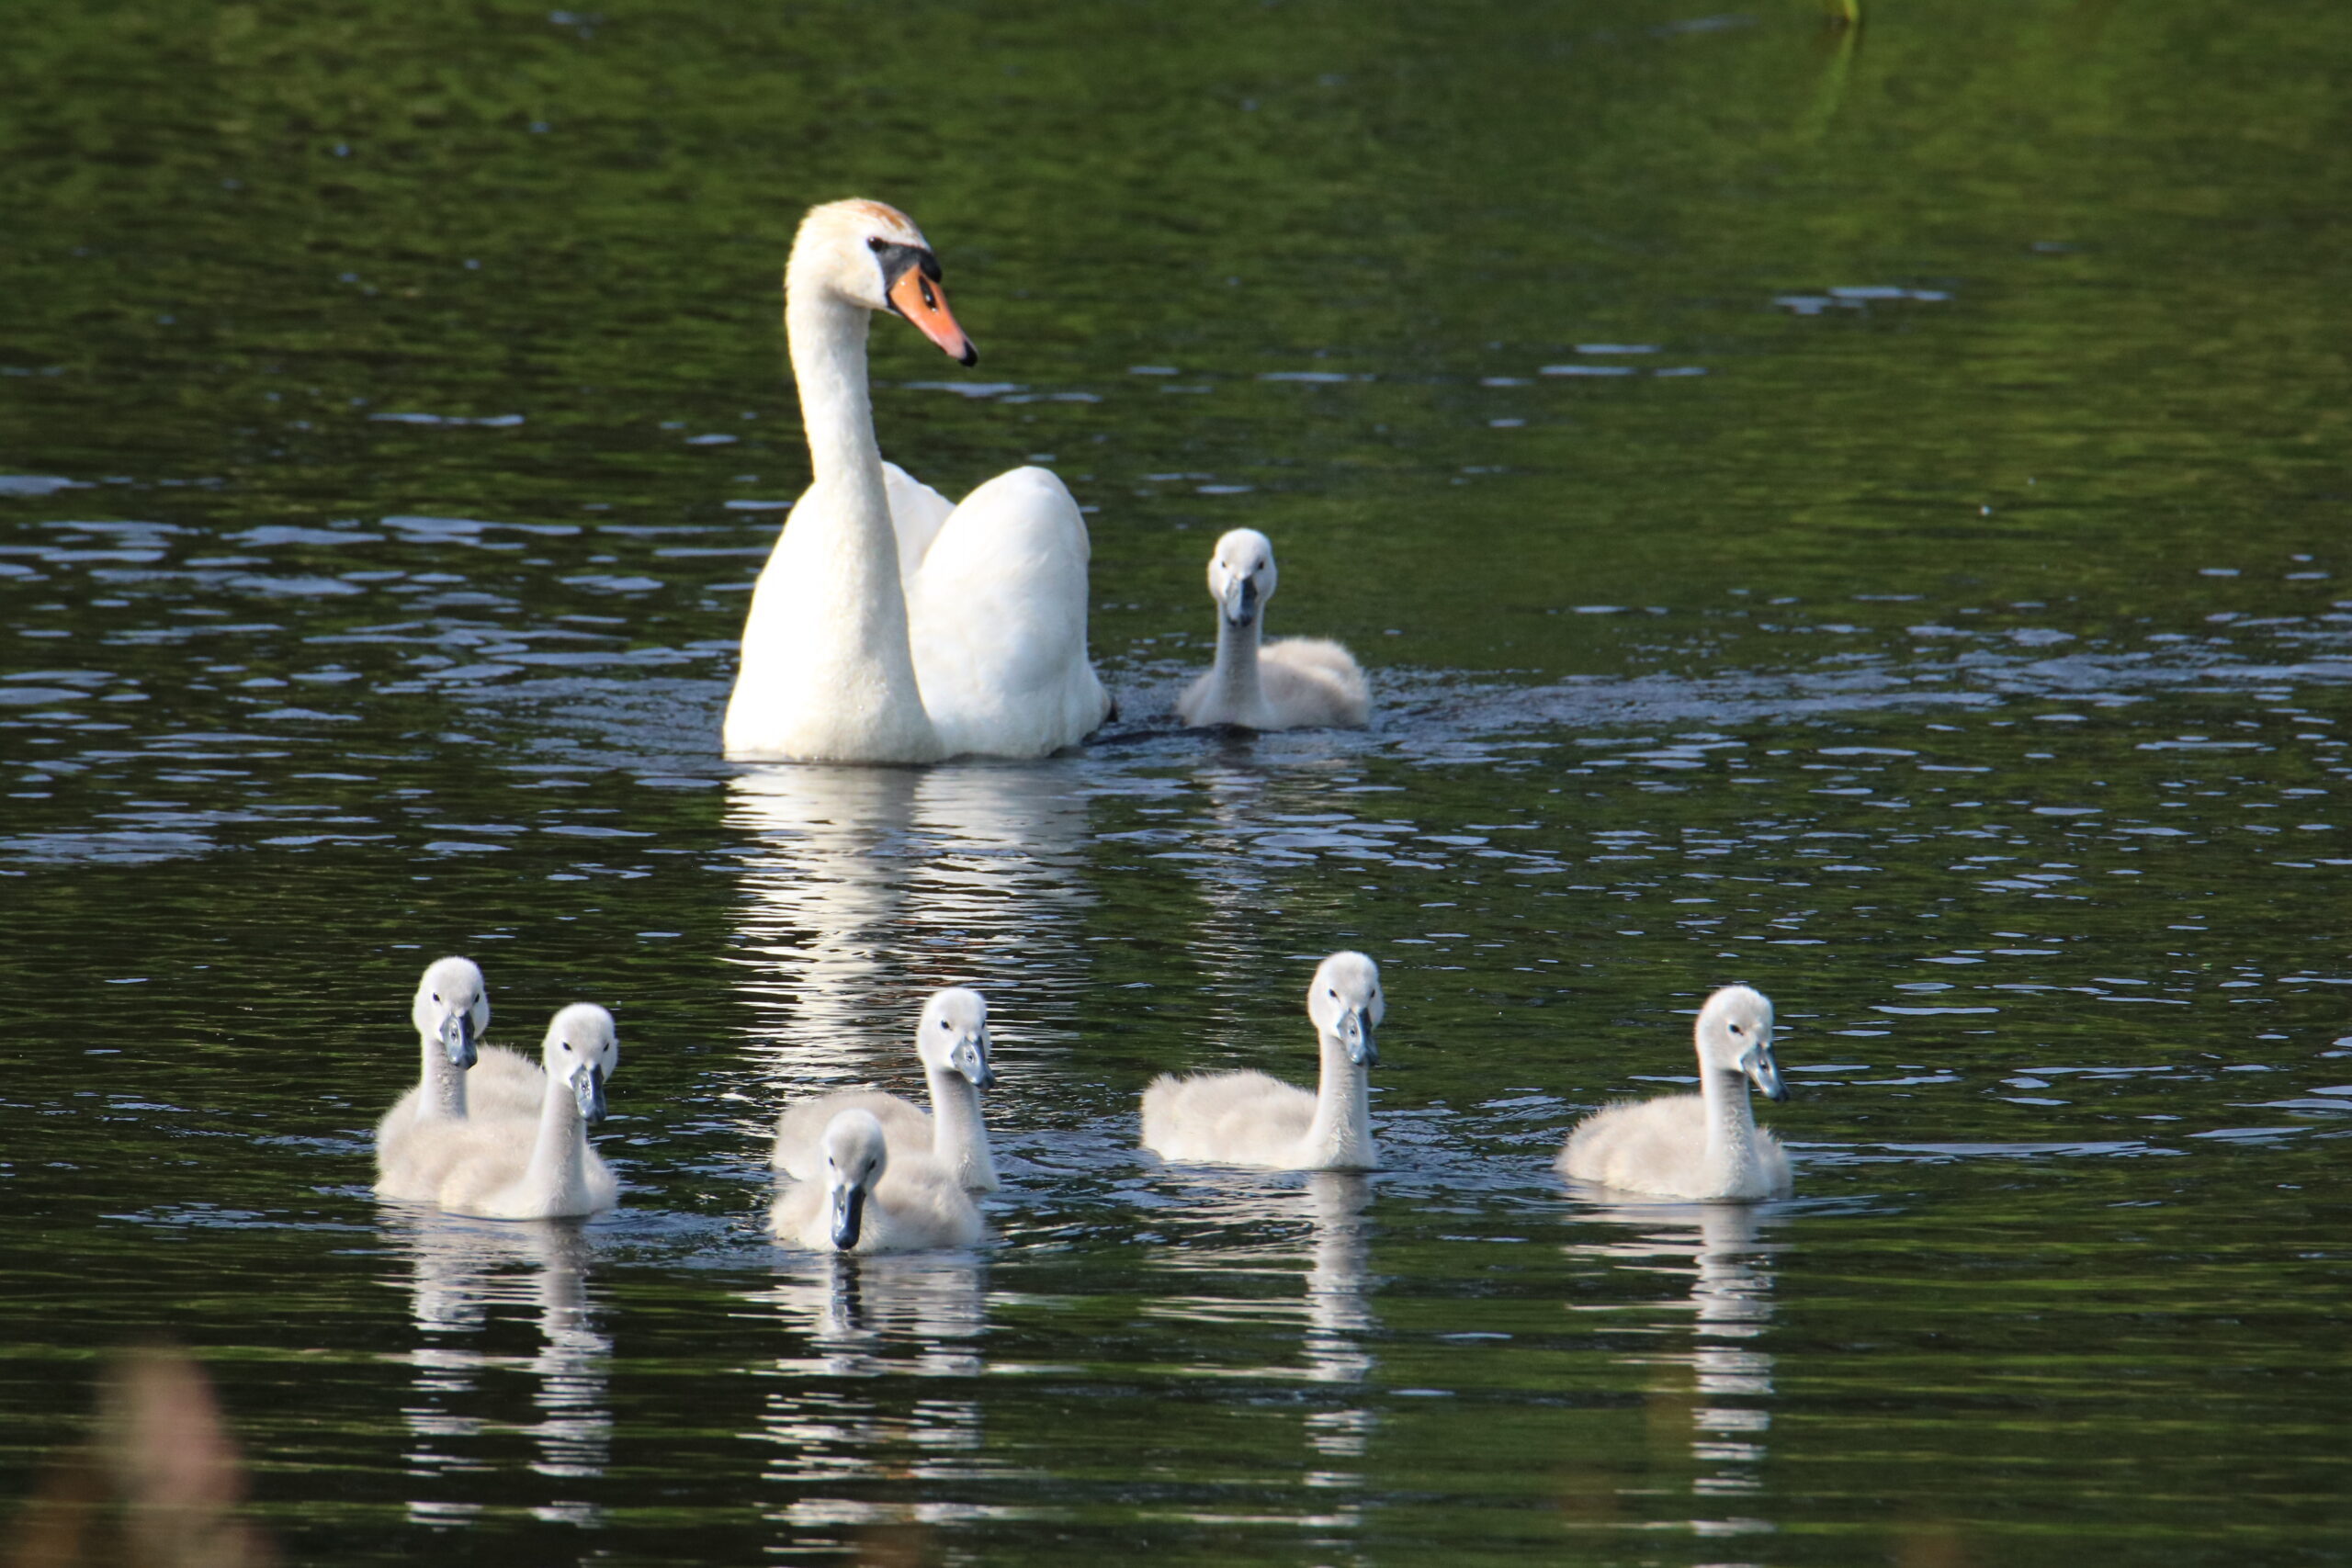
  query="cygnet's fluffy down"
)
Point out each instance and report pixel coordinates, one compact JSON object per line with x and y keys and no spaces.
{"x":952,"y":1041}
{"x":1247,"y":1118}
{"x":1703,"y":1147}
{"x":1296,"y":684}
{"x":867,"y":1198}
{"x":451,"y":1009}
{"x":538,"y":1165}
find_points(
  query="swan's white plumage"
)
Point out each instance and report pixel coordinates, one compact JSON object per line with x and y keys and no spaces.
{"x":909,"y":1203}
{"x":450,"y":1011}
{"x":1292,"y":684}
{"x":534,"y":1165}
{"x":888,"y":627}
{"x":1704,"y":1146}
{"x":1247,"y":1118}
{"x":952,"y":1040}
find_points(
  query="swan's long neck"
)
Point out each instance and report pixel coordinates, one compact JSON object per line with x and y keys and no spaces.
{"x":557,"y":1177}
{"x":828,"y":641}
{"x":1730,"y":1157}
{"x":1340,"y":1138}
{"x":959,"y":1139}
{"x":445,"y":1084}
{"x":1238,"y":696}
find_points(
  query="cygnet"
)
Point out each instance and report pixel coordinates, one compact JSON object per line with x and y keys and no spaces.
{"x":1247,"y":1118}
{"x":953,"y":1041}
{"x":1296,"y":683}
{"x":536,"y":1166}
{"x":1703,"y":1147}
{"x":869,"y":1199}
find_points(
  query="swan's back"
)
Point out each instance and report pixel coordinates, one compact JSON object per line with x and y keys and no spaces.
{"x":1244,"y":1118}
{"x":477,"y":1164}
{"x":997,"y":617}
{"x":800,"y":1131}
{"x":1659,"y":1146}
{"x":1313,"y":682}
{"x":916,"y":1205}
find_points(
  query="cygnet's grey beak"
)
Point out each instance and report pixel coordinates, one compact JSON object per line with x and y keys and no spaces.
{"x":849,"y":1214}
{"x":1240,"y":601}
{"x":457,"y":1039}
{"x":1355,"y":1033}
{"x":588,"y":1088}
{"x":972,"y":1059}
{"x":1764,"y":1071}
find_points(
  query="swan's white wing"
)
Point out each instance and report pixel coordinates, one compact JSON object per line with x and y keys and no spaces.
{"x":917,"y":513}
{"x":998,"y":618}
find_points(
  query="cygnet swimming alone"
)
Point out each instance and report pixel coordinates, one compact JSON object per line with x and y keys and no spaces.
{"x":1247,"y":1118}
{"x":1296,"y":683}
{"x":1703,"y":1147}
{"x":953,"y":1041}
{"x":867,"y":1198}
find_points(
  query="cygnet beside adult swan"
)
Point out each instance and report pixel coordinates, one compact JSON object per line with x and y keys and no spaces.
{"x":953,"y":1041}
{"x":870,"y":1199}
{"x":888,"y":625}
{"x":537,"y":1166}
{"x":1247,"y":1118}
{"x":1298,"y":683}
{"x":1703,"y":1147}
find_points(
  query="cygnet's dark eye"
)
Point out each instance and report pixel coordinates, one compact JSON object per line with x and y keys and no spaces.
{"x":1736,"y":1030}
{"x":437,"y":996}
{"x":944,"y":1023}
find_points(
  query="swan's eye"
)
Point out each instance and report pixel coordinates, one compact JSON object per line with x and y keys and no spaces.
{"x":931,"y":301}
{"x":874,"y":242}
{"x":1736,"y":1030}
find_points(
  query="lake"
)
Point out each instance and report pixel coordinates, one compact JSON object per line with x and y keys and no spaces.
{"x":1861,"y":513}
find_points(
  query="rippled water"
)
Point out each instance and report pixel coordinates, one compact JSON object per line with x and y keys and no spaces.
{"x":1863,"y":517}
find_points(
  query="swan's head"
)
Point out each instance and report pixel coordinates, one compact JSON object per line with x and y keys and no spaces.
{"x":954,"y":1034}
{"x":453,"y":1007}
{"x":873,"y":255}
{"x":582,"y":1052}
{"x":854,"y":1156}
{"x":1736,"y":1036}
{"x":1345,"y":1003}
{"x":1241,"y":576}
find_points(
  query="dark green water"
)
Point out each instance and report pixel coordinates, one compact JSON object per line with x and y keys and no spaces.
{"x":1940,"y":622}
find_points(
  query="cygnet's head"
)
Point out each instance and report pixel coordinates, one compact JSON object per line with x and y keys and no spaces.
{"x":1346,"y":1004}
{"x":1736,"y":1036}
{"x":582,"y":1050}
{"x":1241,"y":575}
{"x":874,"y":256}
{"x":954,"y":1034}
{"x":855,"y":1153}
{"x":453,"y":1007}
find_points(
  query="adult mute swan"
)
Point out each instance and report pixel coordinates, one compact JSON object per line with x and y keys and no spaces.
{"x":953,"y":1041}
{"x":537,"y":1166}
{"x":1247,"y":1118}
{"x":1298,"y":683}
{"x":889,"y":626}
{"x":871,"y":1199}
{"x":1703,"y":1147}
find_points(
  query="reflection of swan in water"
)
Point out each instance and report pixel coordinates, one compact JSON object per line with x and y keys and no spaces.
{"x":460,"y":1272}
{"x":1722,"y":1382}
{"x":838,"y":1412}
{"x":867,"y":888}
{"x":1338,"y":1263}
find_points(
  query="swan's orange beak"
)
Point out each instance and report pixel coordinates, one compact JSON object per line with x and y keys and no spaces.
{"x":924,"y":303}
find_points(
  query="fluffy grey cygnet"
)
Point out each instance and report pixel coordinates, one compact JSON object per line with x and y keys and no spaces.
{"x":1299,"y":683}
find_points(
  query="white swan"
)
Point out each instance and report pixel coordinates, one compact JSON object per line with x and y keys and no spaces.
{"x":1298,"y":683}
{"x":537,"y":1166}
{"x":871,"y":1200}
{"x":460,"y":1077}
{"x":953,"y":1041}
{"x":887,"y":625}
{"x":1247,"y":1118}
{"x":1701,"y":1146}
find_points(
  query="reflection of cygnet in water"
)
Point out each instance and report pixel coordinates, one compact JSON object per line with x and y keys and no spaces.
{"x":532,"y":1166}
{"x":953,"y":1041}
{"x":1296,"y":684}
{"x":1338,"y":1268}
{"x":1247,"y":1118}
{"x":1704,"y":1145}
{"x":872,"y":1201}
